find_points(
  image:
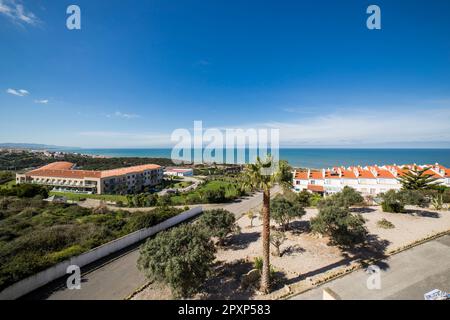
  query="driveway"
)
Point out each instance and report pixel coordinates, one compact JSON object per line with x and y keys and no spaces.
{"x":406,"y":275}
{"x":117,"y":277}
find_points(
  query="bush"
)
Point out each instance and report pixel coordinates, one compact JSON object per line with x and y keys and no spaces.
{"x":393,"y":202}
{"x":25,"y":191}
{"x":414,"y":198}
{"x":218,"y":223}
{"x":348,"y":197}
{"x":215,"y":196}
{"x":385,"y":224}
{"x":343,"y":227}
{"x":304,"y":198}
{"x":142,"y":220}
{"x":182,"y":258}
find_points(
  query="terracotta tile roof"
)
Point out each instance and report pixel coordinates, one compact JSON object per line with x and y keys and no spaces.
{"x":348,"y":174}
{"x":447,"y":173}
{"x":331,"y":175}
{"x":385,"y":174}
{"x":316,"y":175}
{"x":123,"y":171}
{"x":60,"y":165}
{"x":433,"y":174}
{"x":63,"y":170}
{"x":301,"y":175}
{"x":70,"y":174}
{"x":366,"y":174}
{"x":315,"y":188}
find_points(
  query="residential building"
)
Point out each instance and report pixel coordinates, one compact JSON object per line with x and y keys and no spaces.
{"x":63,"y":176}
{"x":369,"y":180}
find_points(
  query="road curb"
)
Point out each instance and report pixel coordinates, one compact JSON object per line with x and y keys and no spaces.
{"x":306,"y":285}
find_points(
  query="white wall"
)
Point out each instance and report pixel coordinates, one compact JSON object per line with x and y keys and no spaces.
{"x":42,"y":278}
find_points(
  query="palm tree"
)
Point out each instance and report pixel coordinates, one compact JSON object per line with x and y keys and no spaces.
{"x":262,"y":176}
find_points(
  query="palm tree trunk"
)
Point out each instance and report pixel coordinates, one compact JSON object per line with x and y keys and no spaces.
{"x":265,"y":279}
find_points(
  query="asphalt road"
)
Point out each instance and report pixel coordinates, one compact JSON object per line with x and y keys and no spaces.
{"x":117,"y":277}
{"x":404,"y":276}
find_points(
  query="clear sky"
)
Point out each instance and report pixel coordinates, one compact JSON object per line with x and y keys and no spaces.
{"x":137,"y":70}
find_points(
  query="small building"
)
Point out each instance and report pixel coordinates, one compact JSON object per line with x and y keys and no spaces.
{"x":179,"y":172}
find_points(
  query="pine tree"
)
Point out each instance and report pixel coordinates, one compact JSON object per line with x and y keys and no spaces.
{"x":417,"y":179}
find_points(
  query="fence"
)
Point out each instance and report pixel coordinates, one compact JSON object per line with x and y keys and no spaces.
{"x":57,"y":271}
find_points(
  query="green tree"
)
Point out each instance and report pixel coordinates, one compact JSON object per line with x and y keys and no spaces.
{"x":218,"y":223}
{"x":263,"y":175}
{"x":417,"y":179}
{"x":181,"y":258}
{"x":285,"y":175}
{"x":283,"y":211}
{"x":343,"y":227}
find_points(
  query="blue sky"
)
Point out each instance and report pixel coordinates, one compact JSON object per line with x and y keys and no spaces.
{"x":140,"y":69}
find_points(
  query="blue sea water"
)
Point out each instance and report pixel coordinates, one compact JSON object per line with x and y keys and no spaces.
{"x":314,"y":158}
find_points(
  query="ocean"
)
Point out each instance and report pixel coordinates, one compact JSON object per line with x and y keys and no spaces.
{"x":313,"y":158}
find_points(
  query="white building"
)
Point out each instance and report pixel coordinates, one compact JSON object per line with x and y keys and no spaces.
{"x":369,"y":180}
{"x":179,"y":172}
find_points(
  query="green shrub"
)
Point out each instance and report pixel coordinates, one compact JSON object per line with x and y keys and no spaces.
{"x":283,"y":211}
{"x":385,"y":224}
{"x":393,"y":202}
{"x":181,"y":258}
{"x":343,"y":227}
{"x":218,"y":223}
{"x":66,"y":253}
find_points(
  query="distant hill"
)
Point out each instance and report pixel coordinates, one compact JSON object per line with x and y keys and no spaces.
{"x":35,"y":146}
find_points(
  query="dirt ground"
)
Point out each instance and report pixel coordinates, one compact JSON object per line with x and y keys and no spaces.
{"x":306,"y":255}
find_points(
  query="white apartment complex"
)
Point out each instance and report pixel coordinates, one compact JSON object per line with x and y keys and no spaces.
{"x":369,"y":180}
{"x":64,"y":178}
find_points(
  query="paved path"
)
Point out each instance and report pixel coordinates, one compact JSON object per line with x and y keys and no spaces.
{"x":409,"y":275}
{"x":119,"y":277}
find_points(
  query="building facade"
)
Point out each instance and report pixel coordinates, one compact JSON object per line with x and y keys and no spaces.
{"x":64,"y":178}
{"x":369,"y":180}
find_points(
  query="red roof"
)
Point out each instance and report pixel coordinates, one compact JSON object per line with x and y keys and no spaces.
{"x":301,"y":175}
{"x":315,"y":188}
{"x":316,"y":175}
{"x":63,"y":170}
{"x":385,"y":174}
{"x":366,"y":174}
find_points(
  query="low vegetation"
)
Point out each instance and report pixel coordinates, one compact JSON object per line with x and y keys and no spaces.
{"x":219,"y":224}
{"x":35,"y":234}
{"x":6,"y":176}
{"x":336,"y":221}
{"x":212,"y":191}
{"x":181,"y":258}
{"x":283,"y":211}
{"x":385,"y":224}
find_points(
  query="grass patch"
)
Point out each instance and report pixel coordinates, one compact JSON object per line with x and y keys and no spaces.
{"x":79,"y":197}
{"x":214,"y":191}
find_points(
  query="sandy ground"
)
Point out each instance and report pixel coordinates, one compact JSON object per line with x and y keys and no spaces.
{"x":305,"y":255}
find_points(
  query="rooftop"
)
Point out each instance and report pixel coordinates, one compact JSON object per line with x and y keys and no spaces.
{"x":64,"y":170}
